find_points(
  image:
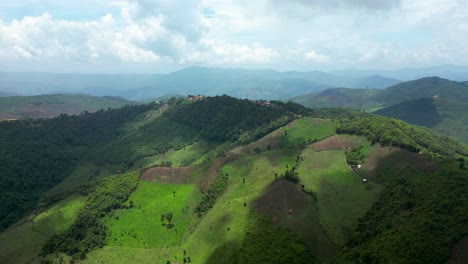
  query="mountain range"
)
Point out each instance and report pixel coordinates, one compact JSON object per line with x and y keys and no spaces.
{"x":241,"y":83}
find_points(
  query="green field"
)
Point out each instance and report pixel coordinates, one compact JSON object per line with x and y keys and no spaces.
{"x":22,"y":243}
{"x":342,"y":196}
{"x":189,"y":155}
{"x":307,"y":129}
{"x":141,"y":226}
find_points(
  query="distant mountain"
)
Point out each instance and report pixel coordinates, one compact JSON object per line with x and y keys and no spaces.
{"x":424,"y":88}
{"x":433,"y":102}
{"x":14,"y":107}
{"x":36,"y":83}
{"x":451,"y":72}
{"x":340,"y":97}
{"x":252,"y":84}
{"x":241,"y":83}
{"x":3,"y":93}
{"x":375,"y":81}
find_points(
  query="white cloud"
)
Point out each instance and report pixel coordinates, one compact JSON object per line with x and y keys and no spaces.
{"x":217,"y":53}
{"x":317,"y":57}
{"x":296,"y":34}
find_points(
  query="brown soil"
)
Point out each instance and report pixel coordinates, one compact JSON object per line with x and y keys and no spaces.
{"x":202,"y":175}
{"x":460,"y":252}
{"x":289,"y":206}
{"x":178,"y":175}
{"x":330,"y":143}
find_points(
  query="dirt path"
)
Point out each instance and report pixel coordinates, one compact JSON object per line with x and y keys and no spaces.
{"x":285,"y":202}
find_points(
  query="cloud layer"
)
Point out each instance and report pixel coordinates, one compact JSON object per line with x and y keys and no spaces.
{"x":156,"y":35}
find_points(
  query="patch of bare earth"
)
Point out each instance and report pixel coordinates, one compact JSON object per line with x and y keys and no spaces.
{"x":330,"y":143}
{"x":289,"y":206}
{"x":202,"y":175}
{"x":460,"y":252}
{"x":179,"y":175}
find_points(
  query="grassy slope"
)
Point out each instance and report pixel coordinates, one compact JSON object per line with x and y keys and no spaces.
{"x":142,"y":227}
{"x":53,"y":105}
{"x":342,"y":197}
{"x":307,"y":129}
{"x":229,"y":212}
{"x":22,"y":243}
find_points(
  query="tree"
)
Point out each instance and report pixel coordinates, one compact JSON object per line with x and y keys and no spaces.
{"x":169,"y":219}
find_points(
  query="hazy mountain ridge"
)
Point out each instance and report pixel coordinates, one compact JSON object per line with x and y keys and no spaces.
{"x":46,"y":106}
{"x":452,"y":72}
{"x":241,"y":83}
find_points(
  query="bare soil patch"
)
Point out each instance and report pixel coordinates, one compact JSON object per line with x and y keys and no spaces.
{"x":330,"y":143}
{"x":179,"y":175}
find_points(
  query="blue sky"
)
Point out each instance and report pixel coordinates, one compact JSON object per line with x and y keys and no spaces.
{"x":161,"y":36}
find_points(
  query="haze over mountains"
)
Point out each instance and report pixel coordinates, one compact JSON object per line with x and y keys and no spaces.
{"x":241,"y":83}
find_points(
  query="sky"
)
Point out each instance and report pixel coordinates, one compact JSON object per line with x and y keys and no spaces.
{"x":149,"y":36}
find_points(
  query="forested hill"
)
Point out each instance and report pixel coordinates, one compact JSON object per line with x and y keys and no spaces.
{"x":210,"y":179}
{"x":46,"y":106}
{"x":424,"y":88}
{"x":432,"y":102}
{"x":35,"y":155}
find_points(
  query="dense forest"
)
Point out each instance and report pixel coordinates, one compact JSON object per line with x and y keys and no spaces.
{"x":37,"y":154}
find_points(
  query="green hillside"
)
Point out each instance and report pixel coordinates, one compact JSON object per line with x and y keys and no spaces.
{"x":40,"y":106}
{"x":222,"y":180}
{"x":432,"y":102}
{"x":340,"y":97}
{"x":424,"y":88}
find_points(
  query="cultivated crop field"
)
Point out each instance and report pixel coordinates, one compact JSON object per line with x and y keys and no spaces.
{"x":143,"y":225}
